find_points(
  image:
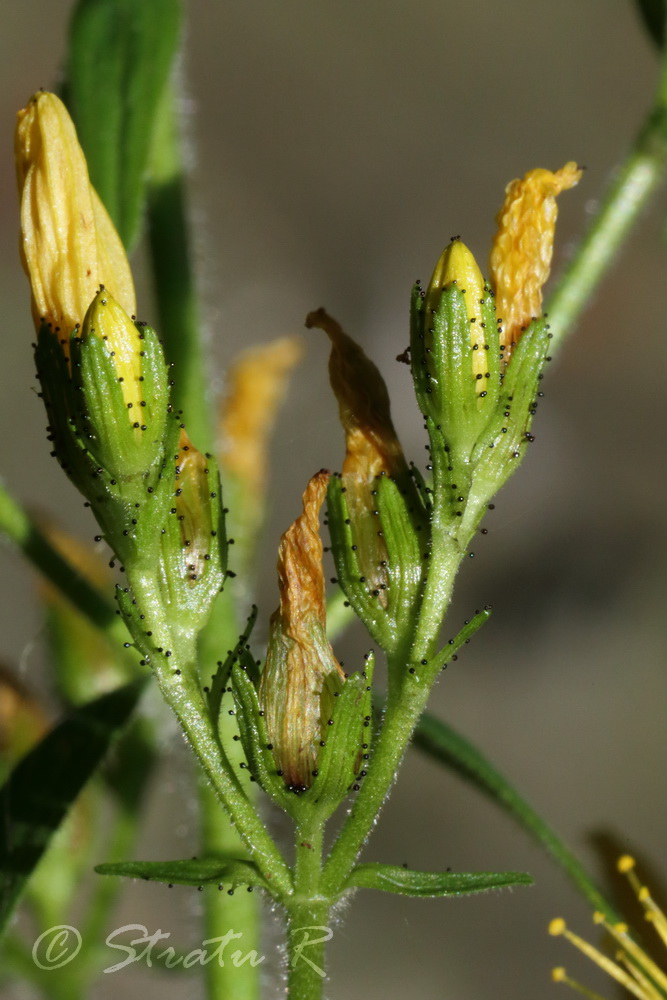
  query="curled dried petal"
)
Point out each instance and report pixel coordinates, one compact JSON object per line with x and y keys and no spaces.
{"x":299,"y":658}
{"x":372,"y":446}
{"x":523,"y":245}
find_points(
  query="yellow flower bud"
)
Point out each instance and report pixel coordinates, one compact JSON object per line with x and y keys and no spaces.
{"x":300,"y":660}
{"x":108,"y":321}
{"x":69,"y":246}
{"x":523,"y":245}
{"x":458,"y":266}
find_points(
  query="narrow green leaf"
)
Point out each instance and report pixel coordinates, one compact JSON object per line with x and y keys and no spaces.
{"x":405,"y":882}
{"x":652,"y":13}
{"x":219,"y":680}
{"x":43,"y":786}
{"x":444,"y":744}
{"x":464,"y":636}
{"x":230,"y":872}
{"x":121,"y":53}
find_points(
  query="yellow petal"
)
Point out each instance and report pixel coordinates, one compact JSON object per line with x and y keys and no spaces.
{"x":69,"y":246}
{"x":256,"y":386}
{"x":523,"y":245}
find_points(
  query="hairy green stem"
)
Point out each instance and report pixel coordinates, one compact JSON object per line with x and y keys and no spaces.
{"x":308,"y":931}
{"x":224,"y":912}
{"x":20,"y":528}
{"x":398,"y":725}
{"x":308,"y":916}
{"x":178,"y":677}
{"x":179,"y":319}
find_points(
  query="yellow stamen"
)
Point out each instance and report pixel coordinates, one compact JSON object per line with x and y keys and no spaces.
{"x":620,"y":933}
{"x":523,"y":245}
{"x":559,"y":975}
{"x":639,"y":975}
{"x":653,"y":913}
{"x":558,"y":926}
{"x":69,"y":246}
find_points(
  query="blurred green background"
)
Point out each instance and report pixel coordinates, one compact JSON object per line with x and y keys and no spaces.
{"x":334,"y":148}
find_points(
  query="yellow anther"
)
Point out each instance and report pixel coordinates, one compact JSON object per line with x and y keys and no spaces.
{"x":557,"y":926}
{"x":625,"y":863}
{"x":559,"y":975}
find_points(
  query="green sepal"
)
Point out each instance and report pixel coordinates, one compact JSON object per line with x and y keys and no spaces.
{"x":126,"y":452}
{"x":406,"y":541}
{"x":220,"y":678}
{"x":44,"y":784}
{"x":500,"y":449}
{"x":62,"y":403}
{"x":232,"y":872}
{"x":255,"y":742}
{"x":121,"y":53}
{"x":367,"y":607}
{"x":346,"y":740}
{"x":405,"y":882}
{"x":442,"y":367}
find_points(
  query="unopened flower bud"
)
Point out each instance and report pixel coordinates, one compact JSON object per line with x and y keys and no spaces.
{"x":457,"y":266}
{"x":300,"y":664}
{"x":120,"y":370}
{"x":523,"y":245}
{"x":69,"y":246}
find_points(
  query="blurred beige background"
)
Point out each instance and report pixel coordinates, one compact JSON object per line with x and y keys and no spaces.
{"x":335,"y":148}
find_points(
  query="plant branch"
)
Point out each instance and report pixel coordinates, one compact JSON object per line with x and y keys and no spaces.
{"x":19,"y":528}
{"x":179,"y":320}
{"x":635,"y":182}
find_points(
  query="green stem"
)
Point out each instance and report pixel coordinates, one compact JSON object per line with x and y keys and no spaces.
{"x":179,"y":320}
{"x":308,"y":917}
{"x":399,"y":723}
{"x":222,"y":912}
{"x":636,"y":180}
{"x":308,"y":931}
{"x":20,"y":529}
{"x":179,"y":682}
